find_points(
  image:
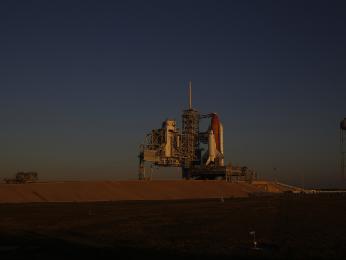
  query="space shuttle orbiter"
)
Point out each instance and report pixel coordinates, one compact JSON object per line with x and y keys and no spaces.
{"x":215,"y":142}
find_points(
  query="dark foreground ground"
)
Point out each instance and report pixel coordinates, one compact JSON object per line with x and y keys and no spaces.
{"x":289,"y":226}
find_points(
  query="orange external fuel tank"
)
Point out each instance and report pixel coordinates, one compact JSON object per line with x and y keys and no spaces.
{"x":215,"y":126}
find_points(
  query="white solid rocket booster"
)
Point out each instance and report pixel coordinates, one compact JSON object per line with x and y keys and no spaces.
{"x":211,"y":147}
{"x":222,"y":161}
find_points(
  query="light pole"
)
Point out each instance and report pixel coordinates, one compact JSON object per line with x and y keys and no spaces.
{"x":342,"y":149}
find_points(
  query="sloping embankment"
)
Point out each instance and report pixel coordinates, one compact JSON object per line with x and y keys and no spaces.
{"x":84,"y":191}
{"x":276,"y":187}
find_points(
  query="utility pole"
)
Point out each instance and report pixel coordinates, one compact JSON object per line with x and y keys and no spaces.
{"x":342,"y":149}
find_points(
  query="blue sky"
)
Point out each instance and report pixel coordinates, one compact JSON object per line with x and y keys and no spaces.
{"x":82,"y":82}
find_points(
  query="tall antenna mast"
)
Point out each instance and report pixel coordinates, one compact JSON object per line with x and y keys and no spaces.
{"x":190,"y":94}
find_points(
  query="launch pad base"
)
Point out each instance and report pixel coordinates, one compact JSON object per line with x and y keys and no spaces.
{"x":229,"y":173}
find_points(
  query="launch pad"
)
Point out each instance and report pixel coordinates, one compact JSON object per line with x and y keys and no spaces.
{"x":200,"y":154}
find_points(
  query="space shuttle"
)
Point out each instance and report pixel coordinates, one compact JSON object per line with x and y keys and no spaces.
{"x":214,"y":155}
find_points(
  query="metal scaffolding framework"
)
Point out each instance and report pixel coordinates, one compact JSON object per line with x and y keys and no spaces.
{"x":190,"y":140}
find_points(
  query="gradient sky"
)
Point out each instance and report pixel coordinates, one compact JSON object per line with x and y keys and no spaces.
{"x":81,"y":82}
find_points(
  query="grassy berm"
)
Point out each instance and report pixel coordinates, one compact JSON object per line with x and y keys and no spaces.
{"x":287,"y":226}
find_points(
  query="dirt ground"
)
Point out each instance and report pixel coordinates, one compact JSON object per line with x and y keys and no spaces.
{"x":96,"y":191}
{"x":286,"y":226}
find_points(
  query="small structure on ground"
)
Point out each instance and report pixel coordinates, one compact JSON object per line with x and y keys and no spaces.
{"x":22,"y":177}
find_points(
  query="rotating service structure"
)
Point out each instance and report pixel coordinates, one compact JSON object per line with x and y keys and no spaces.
{"x":200,"y":154}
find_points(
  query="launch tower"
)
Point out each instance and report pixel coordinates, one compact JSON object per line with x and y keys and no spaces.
{"x":199,"y":154}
